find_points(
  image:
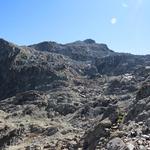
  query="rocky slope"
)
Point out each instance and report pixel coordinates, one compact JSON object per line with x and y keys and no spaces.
{"x":80,"y":95}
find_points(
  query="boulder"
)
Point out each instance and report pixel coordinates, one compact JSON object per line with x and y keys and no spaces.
{"x":116,"y":144}
{"x":144,"y":91}
{"x":91,"y":138}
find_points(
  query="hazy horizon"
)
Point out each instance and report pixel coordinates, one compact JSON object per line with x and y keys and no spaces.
{"x":121,"y":24}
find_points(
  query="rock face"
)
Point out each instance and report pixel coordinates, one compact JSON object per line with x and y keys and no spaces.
{"x":144,"y":91}
{"x":91,"y":138}
{"x":140,"y":110}
{"x":121,"y":64}
{"x":27,"y":69}
{"x":79,"y":95}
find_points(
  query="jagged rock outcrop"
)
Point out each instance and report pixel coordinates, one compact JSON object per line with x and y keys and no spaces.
{"x":24,"y":69}
{"x":91,"y":137}
{"x":140,"y":110}
{"x":144,"y":91}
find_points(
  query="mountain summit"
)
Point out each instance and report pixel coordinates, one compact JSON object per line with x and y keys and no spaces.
{"x":80,"y":50}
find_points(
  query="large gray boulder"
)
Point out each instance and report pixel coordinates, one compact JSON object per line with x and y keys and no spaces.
{"x":116,"y":144}
{"x":91,"y":138}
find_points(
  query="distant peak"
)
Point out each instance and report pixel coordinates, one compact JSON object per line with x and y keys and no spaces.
{"x":3,"y":41}
{"x":89,"y":41}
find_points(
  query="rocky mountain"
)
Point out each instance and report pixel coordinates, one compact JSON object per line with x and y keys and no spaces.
{"x":86,"y":50}
{"x":74,"y":96}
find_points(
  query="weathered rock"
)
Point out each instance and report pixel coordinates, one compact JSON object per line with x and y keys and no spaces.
{"x":144,"y":91}
{"x":91,"y":137}
{"x":116,"y":144}
{"x":139,"y":110}
{"x":51,"y":130}
{"x":130,"y":146}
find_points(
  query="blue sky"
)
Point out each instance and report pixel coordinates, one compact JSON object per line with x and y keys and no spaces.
{"x":124,"y":25}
